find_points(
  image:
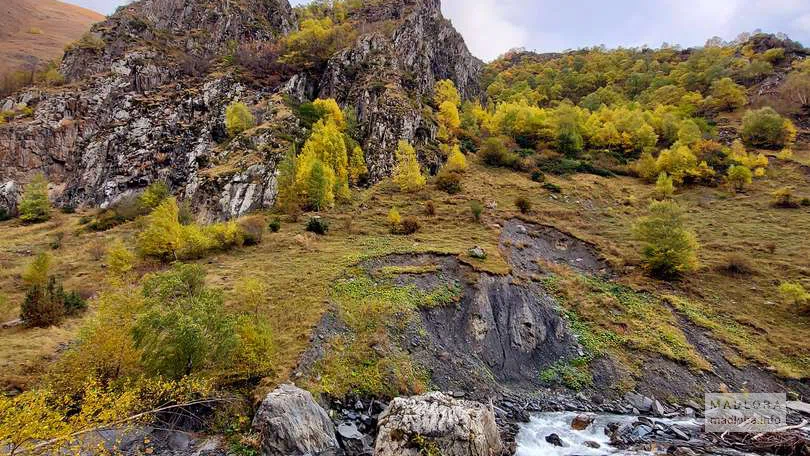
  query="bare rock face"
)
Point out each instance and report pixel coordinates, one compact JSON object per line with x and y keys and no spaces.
{"x":291,"y":423}
{"x":9,"y":198}
{"x":385,"y":75}
{"x":198,"y":29}
{"x":436,"y":422}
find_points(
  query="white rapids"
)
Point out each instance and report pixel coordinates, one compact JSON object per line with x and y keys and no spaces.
{"x":531,"y":440}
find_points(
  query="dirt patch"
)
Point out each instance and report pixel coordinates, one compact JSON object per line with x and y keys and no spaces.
{"x":524,"y":244}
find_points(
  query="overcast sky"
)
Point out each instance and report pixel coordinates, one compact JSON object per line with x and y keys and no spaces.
{"x":491,"y":27}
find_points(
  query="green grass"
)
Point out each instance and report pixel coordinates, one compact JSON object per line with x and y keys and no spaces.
{"x":300,"y":269}
{"x":573,"y":374}
{"x":366,"y":360}
{"x":411,"y":269}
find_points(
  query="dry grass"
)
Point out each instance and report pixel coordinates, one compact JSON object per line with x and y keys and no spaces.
{"x":300,"y":269}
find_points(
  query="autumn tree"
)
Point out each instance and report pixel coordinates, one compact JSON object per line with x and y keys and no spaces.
{"x":327,"y":146}
{"x":407,"y":173}
{"x":238,"y":118}
{"x":288,"y":199}
{"x":456,"y":161}
{"x":163,"y":236}
{"x":448,"y":100}
{"x":664,"y":186}
{"x":357,"y":165}
{"x":726,"y":95}
{"x":739,"y":176}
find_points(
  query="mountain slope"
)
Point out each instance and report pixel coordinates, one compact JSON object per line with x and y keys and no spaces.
{"x":154,"y":79}
{"x":34,"y":31}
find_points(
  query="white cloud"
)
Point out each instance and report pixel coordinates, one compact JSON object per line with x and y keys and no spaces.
{"x":802,"y":23}
{"x":485,"y":26}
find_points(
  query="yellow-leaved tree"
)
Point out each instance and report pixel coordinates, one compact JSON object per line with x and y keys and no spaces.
{"x":331,"y":111}
{"x":238,"y":118}
{"x":357,"y":165}
{"x":327,"y":146}
{"x":456,"y":162}
{"x":163,"y":236}
{"x":407,"y":173}
{"x":448,"y":100}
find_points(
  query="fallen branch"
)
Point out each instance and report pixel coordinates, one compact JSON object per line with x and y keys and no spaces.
{"x":781,"y":429}
{"x":51,"y":442}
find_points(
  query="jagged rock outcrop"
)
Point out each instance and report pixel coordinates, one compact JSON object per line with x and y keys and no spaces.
{"x":145,"y":106}
{"x":386,"y":75}
{"x":197,"y":29}
{"x":290,"y":423}
{"x":437,"y":424}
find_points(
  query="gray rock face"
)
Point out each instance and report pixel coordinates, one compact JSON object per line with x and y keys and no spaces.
{"x":9,"y":198}
{"x":639,"y":402}
{"x":198,"y":29}
{"x":141,"y":109}
{"x":385,"y":76}
{"x":450,"y":426}
{"x":291,"y":423}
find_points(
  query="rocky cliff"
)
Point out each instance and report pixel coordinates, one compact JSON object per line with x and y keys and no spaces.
{"x":149,"y":86}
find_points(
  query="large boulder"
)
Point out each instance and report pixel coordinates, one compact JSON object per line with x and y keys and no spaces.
{"x":9,"y":197}
{"x":437,"y":424}
{"x":290,"y":423}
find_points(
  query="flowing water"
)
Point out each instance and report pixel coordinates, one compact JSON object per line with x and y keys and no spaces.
{"x":531,"y":439}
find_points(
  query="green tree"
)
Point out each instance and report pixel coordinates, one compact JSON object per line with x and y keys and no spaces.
{"x":319,"y":186}
{"x":44,"y":304}
{"x":669,"y":248}
{"x":727,"y":95}
{"x":407,"y":173}
{"x":238,"y":118}
{"x":35,"y":206}
{"x":357,"y":165}
{"x":765,"y":128}
{"x":184,"y":328}
{"x":739,"y":177}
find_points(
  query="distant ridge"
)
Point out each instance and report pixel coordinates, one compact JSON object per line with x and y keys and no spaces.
{"x":34,"y":31}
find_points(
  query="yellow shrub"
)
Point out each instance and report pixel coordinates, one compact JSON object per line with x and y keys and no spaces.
{"x":119,"y":259}
{"x":394,"y":219}
{"x":456,"y":161}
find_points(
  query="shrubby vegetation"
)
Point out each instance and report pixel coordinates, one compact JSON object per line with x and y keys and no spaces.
{"x":765,"y":128}
{"x":46,"y":302}
{"x":166,"y":239}
{"x":238,"y":118}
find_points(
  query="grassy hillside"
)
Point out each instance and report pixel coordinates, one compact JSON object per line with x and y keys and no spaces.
{"x":38,"y":31}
